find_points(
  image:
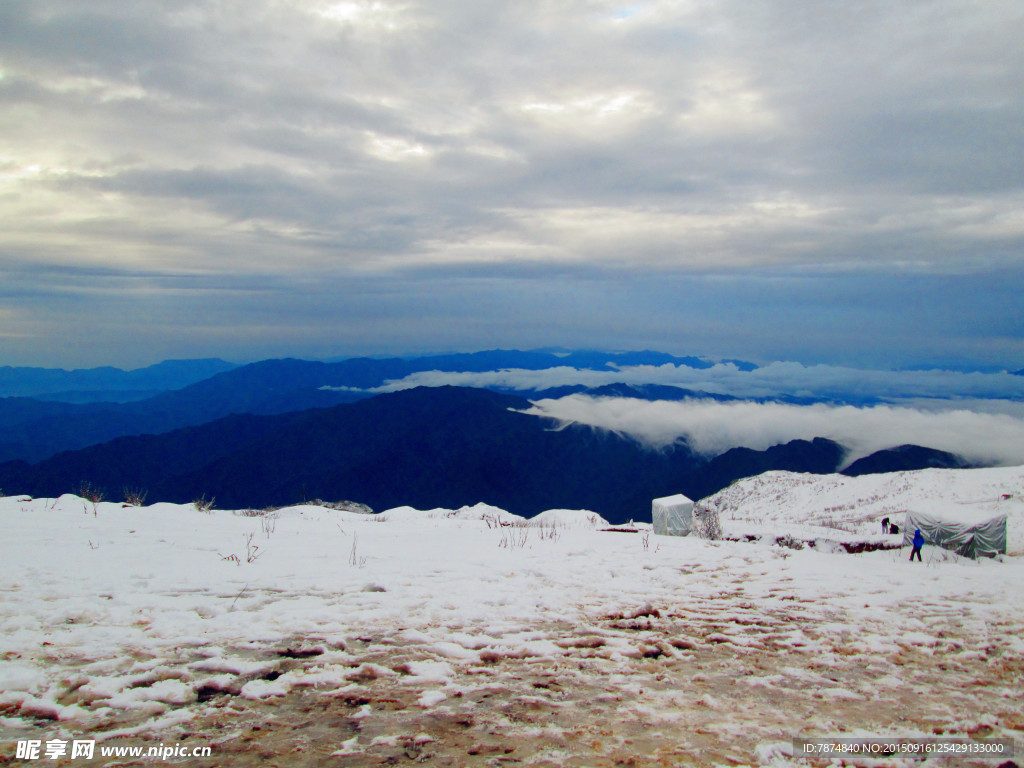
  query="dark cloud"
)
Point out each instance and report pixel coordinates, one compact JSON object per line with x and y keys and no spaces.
{"x":812,"y":180}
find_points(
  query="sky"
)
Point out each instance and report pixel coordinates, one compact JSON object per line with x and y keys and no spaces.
{"x":838,"y":183}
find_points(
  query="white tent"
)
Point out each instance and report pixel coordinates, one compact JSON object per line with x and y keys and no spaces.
{"x":672,"y":515}
{"x":971,"y":532}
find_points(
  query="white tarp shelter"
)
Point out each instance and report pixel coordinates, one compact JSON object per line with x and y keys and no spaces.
{"x":971,"y":532}
{"x":672,"y":515}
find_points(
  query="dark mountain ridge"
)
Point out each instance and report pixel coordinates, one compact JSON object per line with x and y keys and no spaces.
{"x":32,"y":432}
{"x":424,"y":447}
{"x":905,"y":457}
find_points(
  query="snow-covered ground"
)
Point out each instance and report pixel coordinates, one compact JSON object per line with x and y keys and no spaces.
{"x":842,"y":508}
{"x":472,"y":637}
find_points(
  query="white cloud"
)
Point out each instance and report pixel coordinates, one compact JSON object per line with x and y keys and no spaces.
{"x":774,"y":380}
{"x":394,"y":149}
{"x":712,"y":428}
{"x":968,"y":414}
{"x":361,"y":15}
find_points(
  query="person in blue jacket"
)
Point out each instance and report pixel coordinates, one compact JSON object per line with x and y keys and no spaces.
{"x":918,"y":543}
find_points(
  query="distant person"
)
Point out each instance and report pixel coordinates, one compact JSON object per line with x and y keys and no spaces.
{"x":885,"y":525}
{"x":918,"y":543}
{"x":894,"y":528}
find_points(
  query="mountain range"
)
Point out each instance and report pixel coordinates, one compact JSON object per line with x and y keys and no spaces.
{"x":423,"y":447}
{"x":278,"y":431}
{"x":106,"y":384}
{"x":33,"y":428}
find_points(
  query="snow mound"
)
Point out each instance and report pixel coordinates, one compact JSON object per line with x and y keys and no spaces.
{"x":781,"y":501}
{"x":478,"y":511}
{"x":569,"y":518}
{"x":310,"y":511}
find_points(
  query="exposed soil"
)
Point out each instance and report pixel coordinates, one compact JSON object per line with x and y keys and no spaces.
{"x":685,"y":693}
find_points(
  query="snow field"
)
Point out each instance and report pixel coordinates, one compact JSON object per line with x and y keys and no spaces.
{"x":121,"y":621}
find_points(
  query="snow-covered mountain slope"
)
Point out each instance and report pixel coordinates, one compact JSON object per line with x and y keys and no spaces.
{"x":789,"y":502}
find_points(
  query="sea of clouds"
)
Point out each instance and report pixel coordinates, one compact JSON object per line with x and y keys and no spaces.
{"x":978,"y":416}
{"x":712,"y":427}
{"x":774,"y":380}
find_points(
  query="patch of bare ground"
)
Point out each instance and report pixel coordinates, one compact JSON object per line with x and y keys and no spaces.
{"x":649,"y":687}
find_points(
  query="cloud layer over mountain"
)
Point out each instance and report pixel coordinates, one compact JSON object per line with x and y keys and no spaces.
{"x":712,"y":428}
{"x":774,"y":380}
{"x":979,"y":416}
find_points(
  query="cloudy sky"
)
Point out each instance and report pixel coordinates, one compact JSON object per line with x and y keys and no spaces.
{"x":832,"y":182}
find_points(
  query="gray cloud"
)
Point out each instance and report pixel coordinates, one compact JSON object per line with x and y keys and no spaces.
{"x":761,"y":163}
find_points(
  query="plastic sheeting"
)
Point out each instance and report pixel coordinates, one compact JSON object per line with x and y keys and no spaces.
{"x":962,"y":532}
{"x":672,"y":515}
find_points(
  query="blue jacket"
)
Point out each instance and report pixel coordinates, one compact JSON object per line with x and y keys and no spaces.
{"x":918,"y":539}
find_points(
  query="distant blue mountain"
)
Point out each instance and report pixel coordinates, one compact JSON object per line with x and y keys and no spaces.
{"x":603,"y":361}
{"x":538,"y":360}
{"x":32,"y":432}
{"x":106,"y":383}
{"x":619,"y":389}
{"x":652,"y":392}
